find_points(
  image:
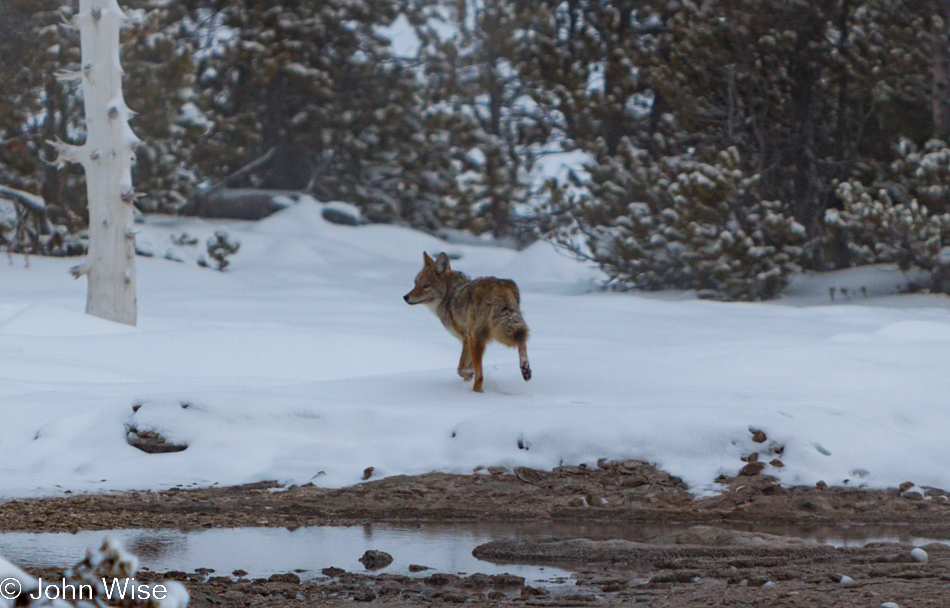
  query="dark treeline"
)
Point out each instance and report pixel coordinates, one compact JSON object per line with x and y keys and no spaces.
{"x":728,"y":143}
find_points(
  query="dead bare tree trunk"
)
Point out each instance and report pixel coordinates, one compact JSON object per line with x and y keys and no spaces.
{"x":106,"y":158}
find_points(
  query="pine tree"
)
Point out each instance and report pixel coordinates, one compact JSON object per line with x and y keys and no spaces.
{"x":160,"y":43}
{"x":306,"y":96}
{"x":36,"y":106}
{"x":813,"y":95}
{"x":879,"y":230}
{"x":687,"y":223}
{"x":475,"y":80}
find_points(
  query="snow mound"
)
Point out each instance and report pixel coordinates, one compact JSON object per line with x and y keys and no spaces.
{"x":544,"y":268}
{"x":43,"y":320}
{"x":302,"y":363}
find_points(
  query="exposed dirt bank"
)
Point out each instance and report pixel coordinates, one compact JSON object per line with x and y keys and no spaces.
{"x":695,"y":567}
{"x":621,"y":492}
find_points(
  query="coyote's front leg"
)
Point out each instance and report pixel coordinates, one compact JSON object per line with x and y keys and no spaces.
{"x":465,"y":362}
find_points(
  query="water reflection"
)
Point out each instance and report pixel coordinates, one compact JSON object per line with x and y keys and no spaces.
{"x":264,"y":551}
{"x":442,"y":547}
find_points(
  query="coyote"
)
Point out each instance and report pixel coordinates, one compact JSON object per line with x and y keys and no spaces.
{"x":476,"y":312}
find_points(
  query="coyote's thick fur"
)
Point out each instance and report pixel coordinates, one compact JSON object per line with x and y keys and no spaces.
{"x":476,"y":312}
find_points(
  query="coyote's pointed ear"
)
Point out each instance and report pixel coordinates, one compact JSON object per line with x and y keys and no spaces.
{"x":427,"y":260}
{"x":442,"y":263}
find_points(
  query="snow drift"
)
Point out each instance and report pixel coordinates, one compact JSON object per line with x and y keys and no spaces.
{"x":303,"y":364}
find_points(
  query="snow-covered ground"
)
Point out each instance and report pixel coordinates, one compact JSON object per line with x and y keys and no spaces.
{"x":302,"y":363}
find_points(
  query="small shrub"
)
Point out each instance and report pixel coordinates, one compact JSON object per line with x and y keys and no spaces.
{"x":219,"y":249}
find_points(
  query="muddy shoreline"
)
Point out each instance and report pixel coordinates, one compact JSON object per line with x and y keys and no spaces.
{"x":629,"y":491}
{"x":691,"y":571}
{"x":686,"y":577}
{"x":659,"y":575}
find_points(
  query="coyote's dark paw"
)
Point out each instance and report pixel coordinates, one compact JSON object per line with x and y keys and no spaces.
{"x":526,"y":372}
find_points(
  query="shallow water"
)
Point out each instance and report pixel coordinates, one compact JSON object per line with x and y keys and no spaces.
{"x":442,"y":547}
{"x":264,"y":551}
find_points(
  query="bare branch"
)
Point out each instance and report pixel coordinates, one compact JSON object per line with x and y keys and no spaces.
{"x":248,"y":168}
{"x":78,"y":271}
{"x":66,"y":153}
{"x":30,"y":201}
{"x":69,"y":76}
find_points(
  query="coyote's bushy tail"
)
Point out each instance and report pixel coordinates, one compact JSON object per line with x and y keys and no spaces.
{"x":515,"y":329}
{"x":510,"y":324}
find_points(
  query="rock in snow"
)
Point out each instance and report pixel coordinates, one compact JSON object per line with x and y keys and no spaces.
{"x":920,"y":556}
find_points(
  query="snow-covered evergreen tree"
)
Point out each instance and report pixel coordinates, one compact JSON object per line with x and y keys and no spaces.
{"x":35,"y":106}
{"x":879,"y":230}
{"x":160,"y":43}
{"x":307,"y":96}
{"x":475,"y":79}
{"x":684,"y":222}
{"x":903,"y":217}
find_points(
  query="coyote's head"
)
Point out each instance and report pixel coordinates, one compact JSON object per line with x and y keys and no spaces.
{"x":431,"y":283}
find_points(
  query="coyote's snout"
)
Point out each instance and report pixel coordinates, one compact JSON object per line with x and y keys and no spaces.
{"x":476,"y":312}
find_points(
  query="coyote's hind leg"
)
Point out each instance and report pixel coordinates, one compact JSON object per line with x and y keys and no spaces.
{"x":523,"y":359}
{"x":466,"y":371}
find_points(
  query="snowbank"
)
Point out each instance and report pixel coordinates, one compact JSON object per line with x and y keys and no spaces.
{"x":303,"y":364}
